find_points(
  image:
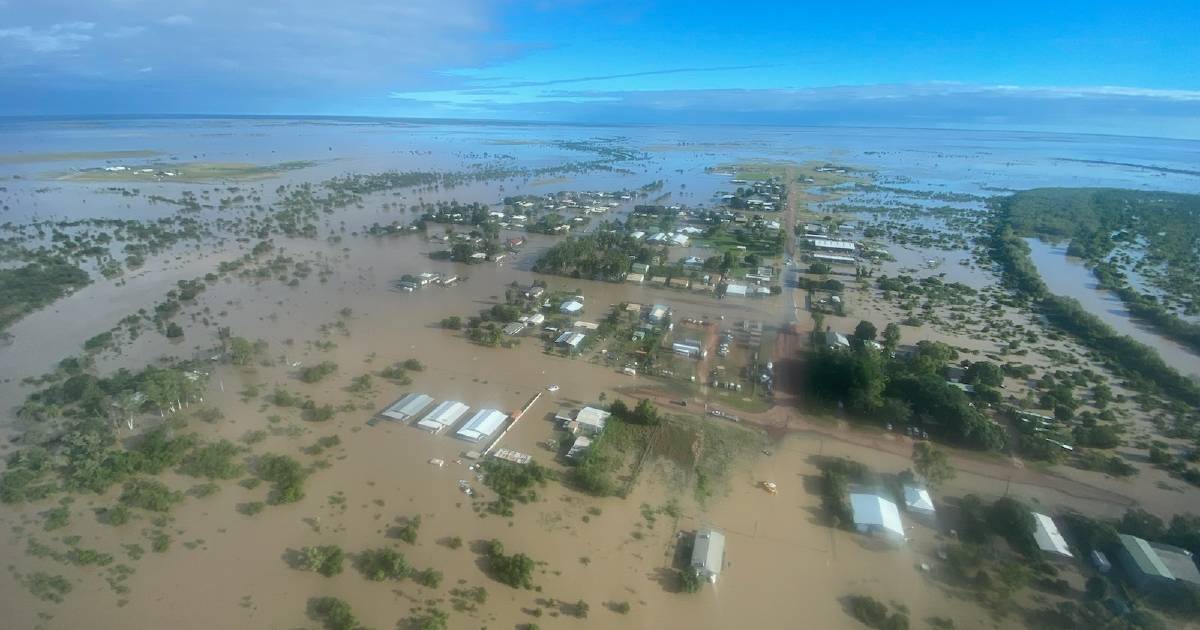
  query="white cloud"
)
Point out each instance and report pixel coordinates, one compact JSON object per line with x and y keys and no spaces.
{"x":125,"y":31}
{"x":177,"y":20}
{"x":62,"y":37}
{"x":146,"y":69}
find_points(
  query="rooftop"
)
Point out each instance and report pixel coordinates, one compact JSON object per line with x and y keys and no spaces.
{"x":482,"y":425}
{"x":872,"y":510}
{"x":443,"y":415}
{"x":917,"y":499}
{"x":407,"y":407}
{"x":1047,"y":536}
{"x":708,"y":552}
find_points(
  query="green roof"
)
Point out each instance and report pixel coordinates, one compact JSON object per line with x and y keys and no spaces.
{"x":1145,"y":557}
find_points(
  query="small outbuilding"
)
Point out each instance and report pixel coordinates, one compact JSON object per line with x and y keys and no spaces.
{"x":708,"y":554}
{"x":917,"y":500}
{"x":1048,"y":538}
{"x":591,"y":420}
{"x":874,"y":514}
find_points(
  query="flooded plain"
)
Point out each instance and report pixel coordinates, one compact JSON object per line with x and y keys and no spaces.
{"x":231,"y":569}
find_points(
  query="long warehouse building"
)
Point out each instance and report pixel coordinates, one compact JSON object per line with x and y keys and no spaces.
{"x":442,"y":416}
{"x":408,"y":407}
{"x":482,"y":425}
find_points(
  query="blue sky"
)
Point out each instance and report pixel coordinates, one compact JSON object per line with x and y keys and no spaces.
{"x":1103,"y":66}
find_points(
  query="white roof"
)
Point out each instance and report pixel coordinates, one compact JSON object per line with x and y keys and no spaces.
{"x":1047,"y":536}
{"x":825,"y":243}
{"x":580,"y":444}
{"x":736,"y":289}
{"x":571,"y":338}
{"x":834,"y":258}
{"x":917,"y":499}
{"x":482,"y":424}
{"x":876,"y":511}
{"x":638,"y":234}
{"x":407,"y":407}
{"x":443,"y":415}
{"x":537,"y":318}
{"x":708,"y":553}
{"x":635,"y":277}
{"x":592,"y":417}
{"x":571,"y":306}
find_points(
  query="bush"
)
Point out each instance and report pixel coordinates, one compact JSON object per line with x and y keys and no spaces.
{"x":117,"y":515}
{"x":324,"y":559}
{"x":287,"y":475}
{"x":382,"y":564}
{"x":868,"y":610}
{"x":689,"y":581}
{"x":334,"y":614}
{"x":314,"y":373}
{"x":429,"y":578}
{"x":56,"y":518}
{"x":149,"y":494}
{"x":453,"y":322}
{"x":514,"y":570}
{"x":213,"y":461}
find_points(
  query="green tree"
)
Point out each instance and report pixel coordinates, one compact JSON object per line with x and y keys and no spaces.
{"x":932,"y":464}
{"x":865,"y":331}
{"x":891,"y":337}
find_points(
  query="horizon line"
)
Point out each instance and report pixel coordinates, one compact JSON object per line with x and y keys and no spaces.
{"x":532,"y":122}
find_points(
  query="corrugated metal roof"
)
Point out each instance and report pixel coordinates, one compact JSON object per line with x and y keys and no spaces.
{"x":1145,"y":557}
{"x":407,"y":407}
{"x":1048,"y":537}
{"x":876,"y":511}
{"x":443,"y":415}
{"x":482,"y":424}
{"x":708,"y":553}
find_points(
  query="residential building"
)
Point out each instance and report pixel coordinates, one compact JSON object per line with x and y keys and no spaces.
{"x":579,"y":447}
{"x":570,"y":339}
{"x":835,"y":340}
{"x":657,"y":313}
{"x":592,"y":420}
{"x":737,"y":290}
{"x":708,"y":554}
{"x":570,"y":307}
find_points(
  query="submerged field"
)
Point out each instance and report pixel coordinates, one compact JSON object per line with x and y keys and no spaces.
{"x":266,"y":297}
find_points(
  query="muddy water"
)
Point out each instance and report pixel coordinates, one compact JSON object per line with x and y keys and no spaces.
{"x":783,"y":566}
{"x":1068,"y":276}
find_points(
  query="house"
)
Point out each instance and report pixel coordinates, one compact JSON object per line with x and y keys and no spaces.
{"x":737,"y":290}
{"x":591,"y":420}
{"x":635,"y":278}
{"x":835,"y":340}
{"x":587,"y":325}
{"x":657,"y":313}
{"x":637,"y":235}
{"x":407,"y":407}
{"x":482,"y":425}
{"x":658,"y":280}
{"x":679,"y":283}
{"x":564,"y":415}
{"x":1154,"y":565}
{"x":874,"y":514}
{"x":571,"y":339}
{"x":1048,"y":538}
{"x":442,"y":416}
{"x":579,"y":447}
{"x":708,"y":554}
{"x":536,"y":319}
{"x":917,"y":500}
{"x":639,"y":268}
{"x":570,"y":307}
{"x":693,"y":262}
{"x":514,"y":328}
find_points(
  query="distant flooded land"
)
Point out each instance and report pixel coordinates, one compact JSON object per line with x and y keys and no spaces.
{"x":341,"y":374}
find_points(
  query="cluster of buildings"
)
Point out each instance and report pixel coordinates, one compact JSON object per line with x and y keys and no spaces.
{"x":409,"y":282}
{"x":419,"y":410}
{"x":584,"y":425}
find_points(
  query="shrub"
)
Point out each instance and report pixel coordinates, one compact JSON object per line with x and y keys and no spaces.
{"x":429,"y":578}
{"x":149,"y":494}
{"x":334,"y":614}
{"x":314,"y":373}
{"x":382,"y":564}
{"x":287,"y":475}
{"x":324,"y":559}
{"x":514,"y":570}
